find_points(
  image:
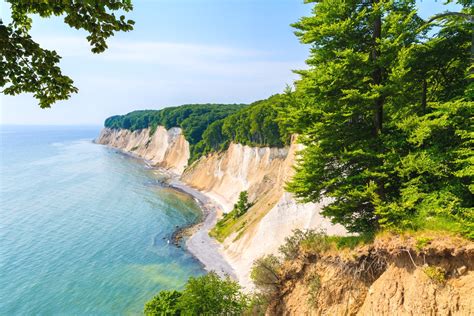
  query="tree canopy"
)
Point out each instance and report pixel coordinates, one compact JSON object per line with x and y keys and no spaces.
{"x":385,"y":113}
{"x":27,"y":67}
{"x":259,"y":124}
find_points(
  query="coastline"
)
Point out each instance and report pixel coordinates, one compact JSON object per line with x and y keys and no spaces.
{"x":197,"y":240}
{"x":199,"y":243}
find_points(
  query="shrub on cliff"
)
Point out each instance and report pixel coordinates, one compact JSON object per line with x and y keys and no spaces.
{"x":242,"y":205}
{"x":315,"y":241}
{"x":265,"y":274}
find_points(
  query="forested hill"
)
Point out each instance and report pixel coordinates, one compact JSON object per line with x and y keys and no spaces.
{"x":211,"y":127}
{"x":192,"y":118}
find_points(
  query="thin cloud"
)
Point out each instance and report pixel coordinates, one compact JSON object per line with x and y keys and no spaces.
{"x":182,"y":58}
{"x":146,"y":51}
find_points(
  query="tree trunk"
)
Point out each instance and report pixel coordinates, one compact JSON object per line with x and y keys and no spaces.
{"x":377,"y":80}
{"x":377,"y":73}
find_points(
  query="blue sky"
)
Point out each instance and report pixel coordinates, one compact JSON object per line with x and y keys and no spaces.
{"x":181,"y":51}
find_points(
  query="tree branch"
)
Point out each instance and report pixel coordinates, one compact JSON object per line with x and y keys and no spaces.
{"x":446,"y":14}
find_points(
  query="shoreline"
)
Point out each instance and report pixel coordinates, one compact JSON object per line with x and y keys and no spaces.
{"x":203,"y":247}
{"x":196,"y":236}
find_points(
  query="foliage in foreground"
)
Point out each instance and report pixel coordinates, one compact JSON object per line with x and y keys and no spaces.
{"x":385,"y":111}
{"x":27,"y":67}
{"x":204,"y":295}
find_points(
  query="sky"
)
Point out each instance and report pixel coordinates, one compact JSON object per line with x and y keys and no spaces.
{"x":180,"y":52}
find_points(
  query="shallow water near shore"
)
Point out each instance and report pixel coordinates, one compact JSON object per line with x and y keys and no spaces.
{"x":84,"y":229}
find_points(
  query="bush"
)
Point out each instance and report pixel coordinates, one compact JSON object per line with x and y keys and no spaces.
{"x":436,"y":274}
{"x":310,"y":240}
{"x":265,"y":274}
{"x":210,"y":295}
{"x":204,"y":295}
{"x":242,"y":205}
{"x":165,"y":303}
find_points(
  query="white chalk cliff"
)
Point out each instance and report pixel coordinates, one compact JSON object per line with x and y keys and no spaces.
{"x":262,"y":172}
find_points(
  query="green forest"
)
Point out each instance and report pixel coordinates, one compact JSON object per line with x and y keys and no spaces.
{"x":192,"y":118}
{"x":212,"y":127}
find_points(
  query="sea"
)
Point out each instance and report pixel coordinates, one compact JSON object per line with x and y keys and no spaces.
{"x":85,"y":229}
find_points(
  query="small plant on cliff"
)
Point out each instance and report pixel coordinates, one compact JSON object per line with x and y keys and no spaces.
{"x":310,"y":240}
{"x":314,"y":285}
{"x":436,"y":274}
{"x":422,"y":242}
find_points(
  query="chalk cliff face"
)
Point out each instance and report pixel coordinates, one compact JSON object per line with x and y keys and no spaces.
{"x":240,"y":168}
{"x":262,"y":172}
{"x":165,"y":148}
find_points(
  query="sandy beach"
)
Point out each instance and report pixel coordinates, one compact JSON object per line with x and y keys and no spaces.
{"x":200,"y":244}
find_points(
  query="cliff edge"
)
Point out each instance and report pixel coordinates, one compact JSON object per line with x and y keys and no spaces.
{"x":395,"y":275}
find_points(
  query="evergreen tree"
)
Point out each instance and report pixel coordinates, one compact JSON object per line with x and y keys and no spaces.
{"x":242,"y":205}
{"x":375,"y":109}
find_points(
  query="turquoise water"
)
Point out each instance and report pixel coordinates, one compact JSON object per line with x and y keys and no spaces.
{"x":83,"y":228}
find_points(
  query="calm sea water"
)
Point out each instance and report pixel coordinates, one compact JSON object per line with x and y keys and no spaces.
{"x":82,"y":226}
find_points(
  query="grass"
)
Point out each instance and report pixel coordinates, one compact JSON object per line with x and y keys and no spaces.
{"x":438,"y":224}
{"x":422,"y":242}
{"x":350,"y":242}
{"x":317,"y":242}
{"x":226,"y":226}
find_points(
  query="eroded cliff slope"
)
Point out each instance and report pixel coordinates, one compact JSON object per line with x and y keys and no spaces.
{"x":396,"y":275}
